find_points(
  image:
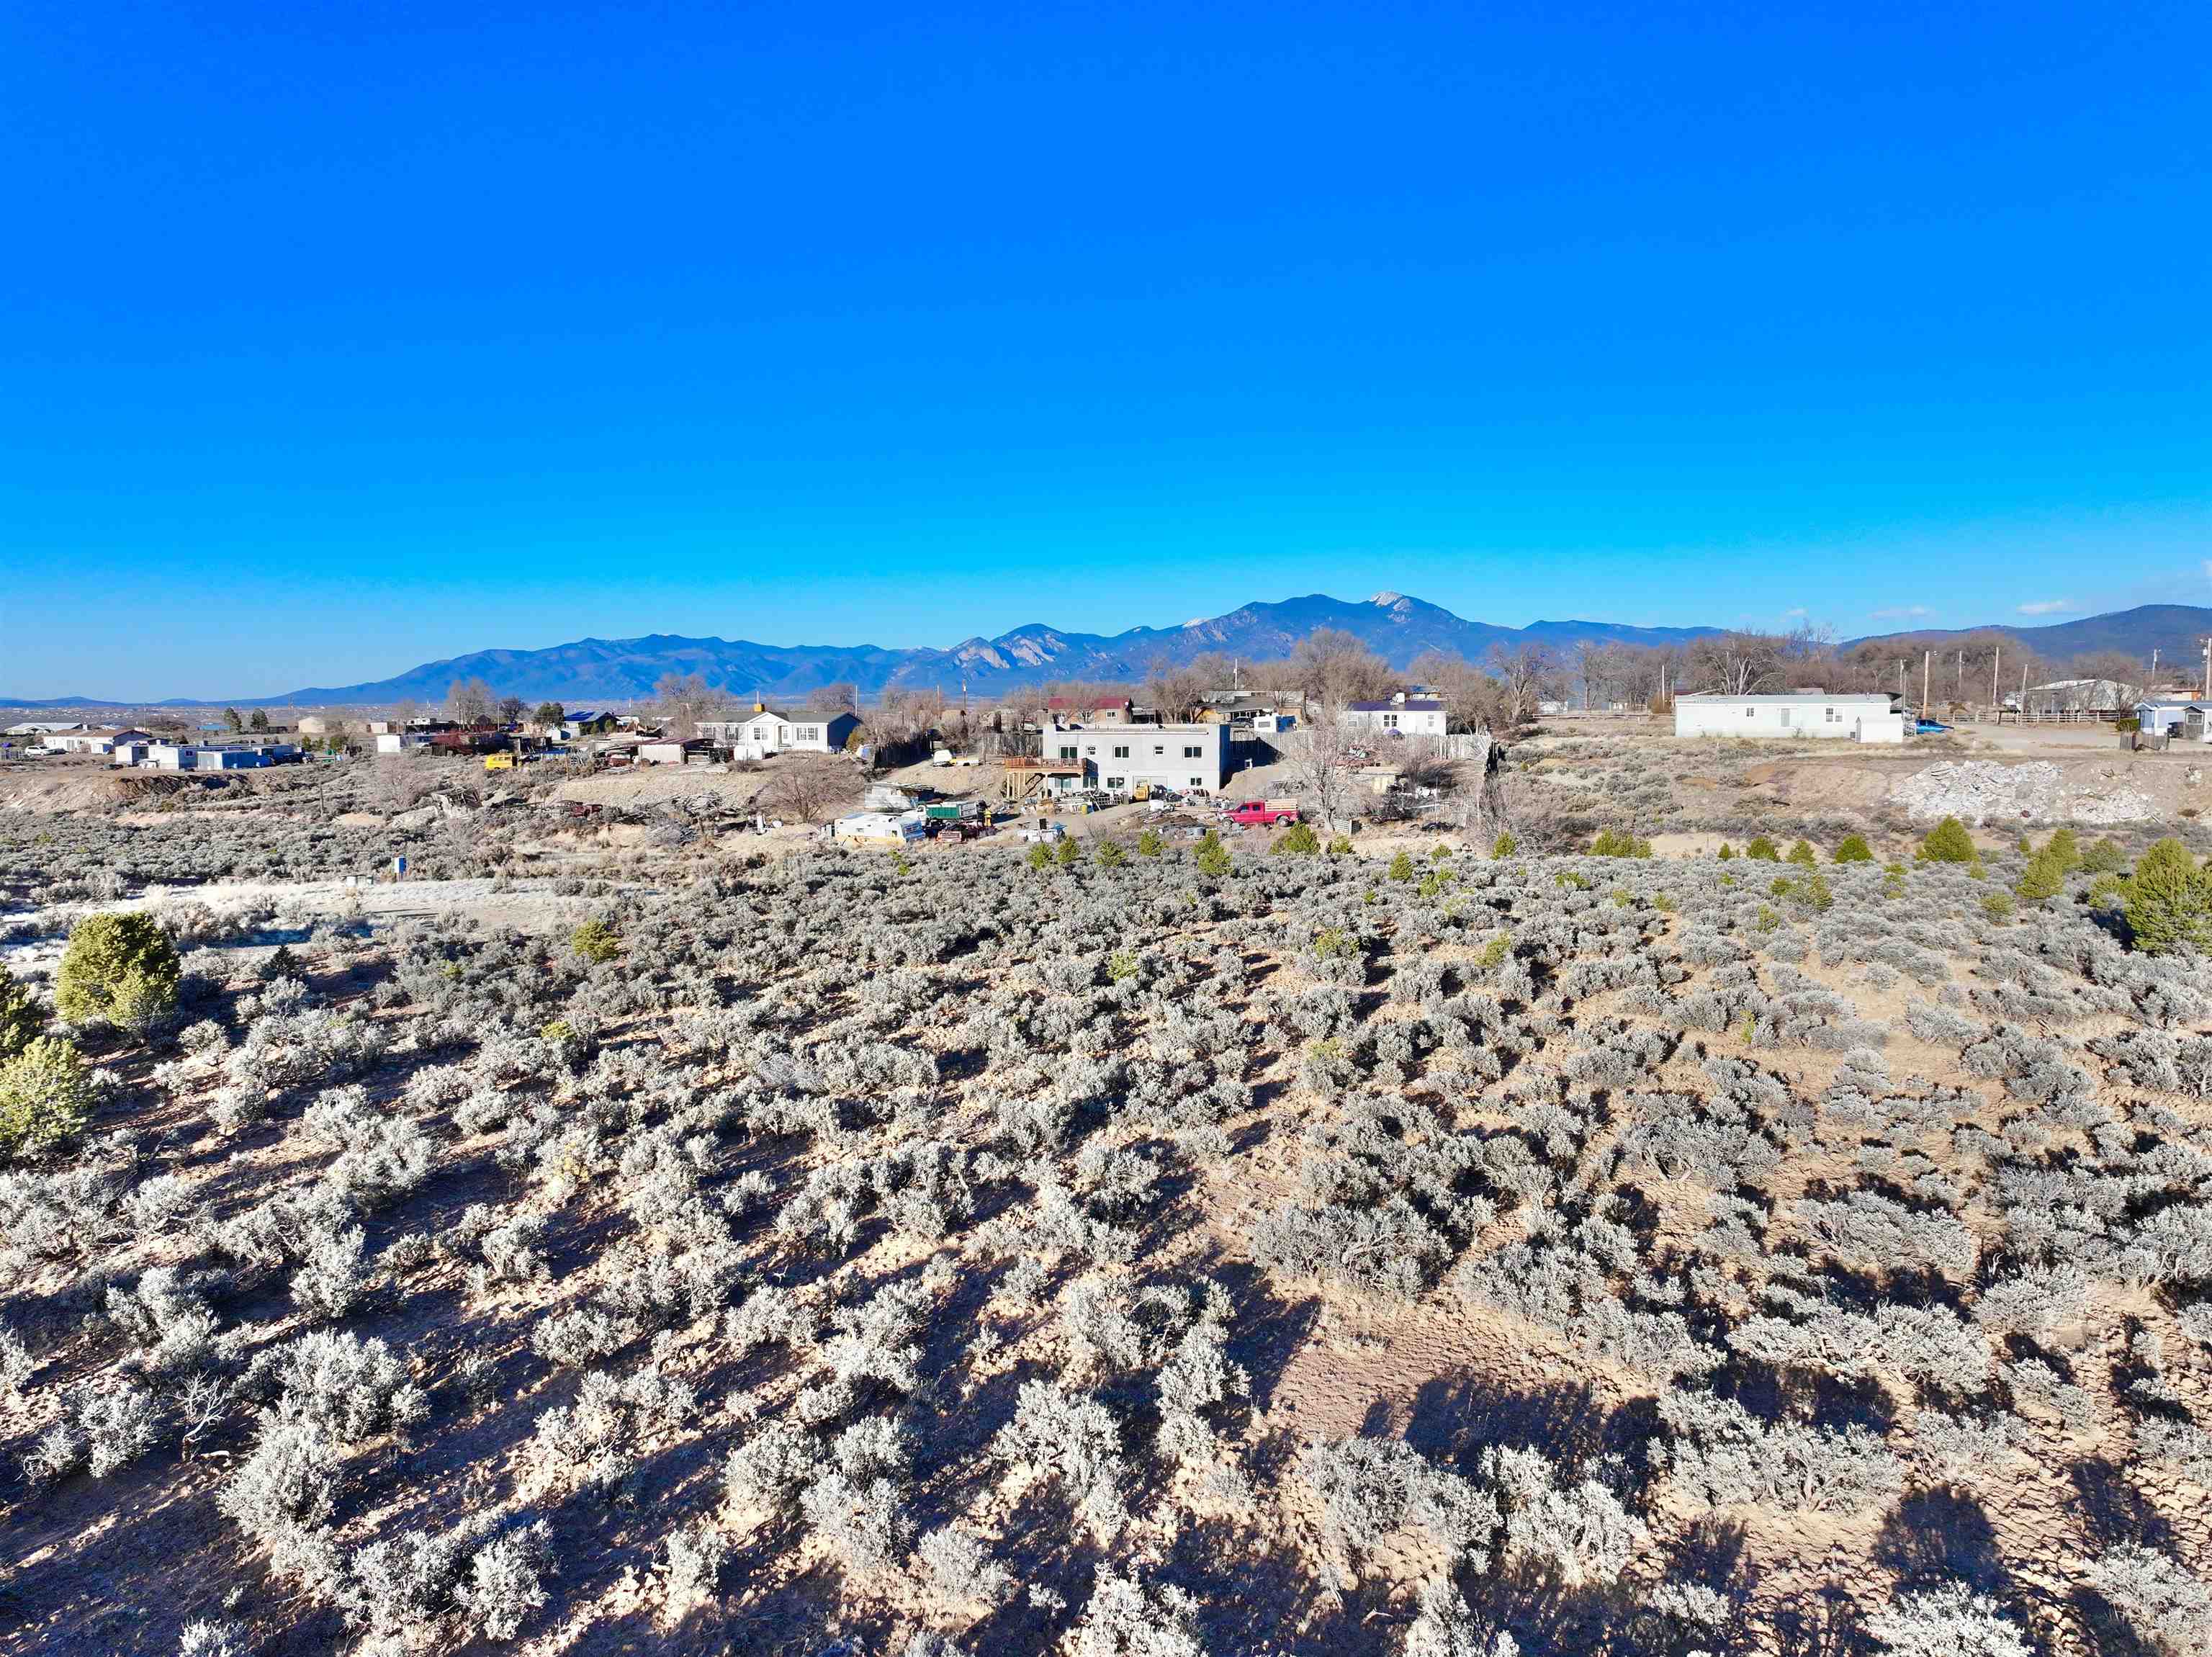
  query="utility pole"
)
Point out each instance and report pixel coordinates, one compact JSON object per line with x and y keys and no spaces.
{"x":1996,"y":655}
{"x":2207,"y":667}
{"x":1927,"y":664}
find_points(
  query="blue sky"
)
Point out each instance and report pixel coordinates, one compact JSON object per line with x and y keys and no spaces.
{"x":337,"y":338}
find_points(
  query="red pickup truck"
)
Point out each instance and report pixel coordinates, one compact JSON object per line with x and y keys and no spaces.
{"x":1262,"y":814}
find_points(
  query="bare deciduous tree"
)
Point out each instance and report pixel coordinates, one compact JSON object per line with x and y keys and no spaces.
{"x":1333,"y":667}
{"x":1737,"y":663}
{"x":1319,"y":755}
{"x":807,"y":787}
{"x":681,"y":701}
{"x":468,"y":701}
{"x":1464,"y":689}
{"x":1523,"y":674}
{"x":1179,"y":692}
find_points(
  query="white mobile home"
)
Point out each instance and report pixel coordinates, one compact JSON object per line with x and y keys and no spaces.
{"x":2183,"y":720}
{"x":1797,"y":714}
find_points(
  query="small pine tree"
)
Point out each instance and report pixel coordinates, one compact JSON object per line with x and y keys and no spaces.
{"x":2169,"y":901}
{"x":45,"y":1097}
{"x":1504,"y":847}
{"x":1616,"y":843}
{"x":1149,"y":843}
{"x":1109,"y":854}
{"x":1067,"y":854}
{"x":1440,"y":854}
{"x":1340,"y":845}
{"x":120,"y":969}
{"x":1298,"y":841}
{"x":1402,"y":868}
{"x":1728,"y":852}
{"x":595,"y":941}
{"x":2105,"y":856}
{"x":1802,"y":853}
{"x":1998,"y":905}
{"x":21,"y":1017}
{"x":1039,"y":857}
{"x":1762,"y":849}
{"x":2044,"y":877}
{"x":1854,"y":849}
{"x":2065,"y":849}
{"x":1212,"y":856}
{"x":1948,"y":843}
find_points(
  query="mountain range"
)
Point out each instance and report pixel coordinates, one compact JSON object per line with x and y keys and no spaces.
{"x":624,"y":671}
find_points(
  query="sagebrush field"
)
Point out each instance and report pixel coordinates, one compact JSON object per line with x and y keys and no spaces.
{"x":1460,"y":1253}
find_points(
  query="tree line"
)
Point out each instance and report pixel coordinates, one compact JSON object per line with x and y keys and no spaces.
{"x":1505,"y":689}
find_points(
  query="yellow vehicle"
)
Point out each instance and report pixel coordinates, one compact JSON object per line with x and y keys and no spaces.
{"x":499,"y":762}
{"x":1142,"y":791}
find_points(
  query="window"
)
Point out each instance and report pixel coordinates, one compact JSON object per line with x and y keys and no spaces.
{"x":760,"y":734}
{"x":1833,"y":717}
{"x":1116,"y":781}
{"x":1067,"y":753}
{"x":1157,"y":749}
{"x":1091,"y":750}
{"x":1122,"y":751}
{"x":1786,"y":716}
{"x":810,"y":734}
{"x":1198,"y":782}
{"x":1389,"y":722}
{"x":1193,"y":752}
{"x":1750,"y":712}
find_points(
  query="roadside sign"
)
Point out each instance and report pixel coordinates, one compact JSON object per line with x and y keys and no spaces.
{"x":398,"y":865}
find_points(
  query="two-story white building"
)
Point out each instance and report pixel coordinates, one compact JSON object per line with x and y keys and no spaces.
{"x":1118,"y":758}
{"x":764,"y":732}
{"x":1796,"y":714}
{"x":1402,"y":715}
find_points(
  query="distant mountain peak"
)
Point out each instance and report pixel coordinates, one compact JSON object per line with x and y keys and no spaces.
{"x":623,"y":672}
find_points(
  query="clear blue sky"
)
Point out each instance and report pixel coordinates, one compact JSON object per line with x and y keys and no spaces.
{"x":334,"y":338}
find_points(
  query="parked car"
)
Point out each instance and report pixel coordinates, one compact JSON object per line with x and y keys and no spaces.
{"x":1263,"y":813}
{"x":1929,"y":727}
